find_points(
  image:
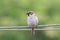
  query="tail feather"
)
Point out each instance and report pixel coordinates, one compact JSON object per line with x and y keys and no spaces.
{"x":33,"y":31}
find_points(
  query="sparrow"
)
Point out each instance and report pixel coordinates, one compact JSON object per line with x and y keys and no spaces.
{"x":32,"y":21}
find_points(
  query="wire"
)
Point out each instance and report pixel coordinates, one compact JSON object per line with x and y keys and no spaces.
{"x":35,"y":29}
{"x":25,"y":27}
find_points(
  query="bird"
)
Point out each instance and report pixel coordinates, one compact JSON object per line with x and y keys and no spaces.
{"x":32,"y":21}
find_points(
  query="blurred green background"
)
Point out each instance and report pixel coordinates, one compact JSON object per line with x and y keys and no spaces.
{"x":13,"y":13}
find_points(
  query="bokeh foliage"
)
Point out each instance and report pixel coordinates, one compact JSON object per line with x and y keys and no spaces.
{"x":13,"y":13}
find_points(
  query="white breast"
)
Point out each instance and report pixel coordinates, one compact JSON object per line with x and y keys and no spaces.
{"x":32,"y":20}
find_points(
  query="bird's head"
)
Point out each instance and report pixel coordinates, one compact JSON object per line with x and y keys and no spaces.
{"x":30,"y":13}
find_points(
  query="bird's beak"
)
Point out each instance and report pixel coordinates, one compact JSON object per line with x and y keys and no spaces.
{"x":27,"y":14}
